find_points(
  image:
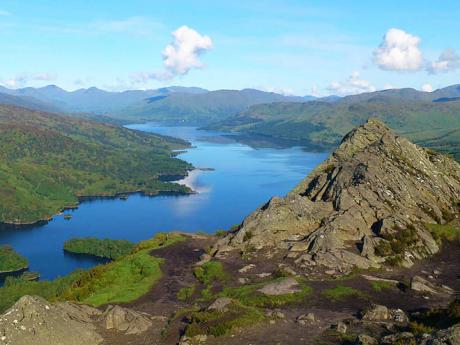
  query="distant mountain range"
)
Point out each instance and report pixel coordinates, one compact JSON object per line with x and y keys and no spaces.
{"x":429,"y":118}
{"x":173,"y":104}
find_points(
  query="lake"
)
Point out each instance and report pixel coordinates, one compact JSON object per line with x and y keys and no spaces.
{"x":243,"y":178}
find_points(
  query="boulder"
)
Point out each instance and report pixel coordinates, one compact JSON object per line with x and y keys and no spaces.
{"x":449,"y":336}
{"x":33,"y":320}
{"x":281,"y":287}
{"x":364,"y":339}
{"x":125,"y":320}
{"x":306,"y":319}
{"x":221,"y":304}
{"x":404,"y":338}
{"x":380,"y":313}
{"x":422,"y":285}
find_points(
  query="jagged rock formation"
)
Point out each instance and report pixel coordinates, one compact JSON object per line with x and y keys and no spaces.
{"x":367,"y":203}
{"x":33,"y":320}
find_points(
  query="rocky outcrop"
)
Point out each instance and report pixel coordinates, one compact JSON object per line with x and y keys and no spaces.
{"x":125,"y":320}
{"x":367,"y":203}
{"x":33,"y":320}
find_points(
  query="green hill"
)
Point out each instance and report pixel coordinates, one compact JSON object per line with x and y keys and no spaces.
{"x":414,"y":114}
{"x":47,"y":161}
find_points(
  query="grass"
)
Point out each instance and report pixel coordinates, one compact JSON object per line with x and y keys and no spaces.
{"x":105,"y":248}
{"x":248,"y":295}
{"x":210,"y":272}
{"x":125,"y":279}
{"x":220,"y":323}
{"x":186,"y":293}
{"x":341,"y":292}
{"x":379,"y":286}
{"x":11,"y":260}
{"x":443,"y":232}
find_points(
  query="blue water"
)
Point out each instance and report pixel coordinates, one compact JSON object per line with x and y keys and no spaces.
{"x":243,"y":179}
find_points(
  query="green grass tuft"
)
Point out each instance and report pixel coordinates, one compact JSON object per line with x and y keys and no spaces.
{"x":441,"y":232}
{"x":341,"y":292}
{"x":378,"y":286}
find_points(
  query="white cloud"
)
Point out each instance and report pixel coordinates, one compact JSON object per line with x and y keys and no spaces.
{"x":134,"y":25}
{"x":427,"y":88}
{"x":399,"y":51}
{"x":388,"y":86}
{"x":180,"y":56}
{"x":353,"y":85}
{"x":23,"y":79}
{"x":449,"y":60}
{"x":279,"y":90}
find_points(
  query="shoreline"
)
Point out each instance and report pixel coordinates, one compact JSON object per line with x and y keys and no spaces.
{"x":89,"y":198}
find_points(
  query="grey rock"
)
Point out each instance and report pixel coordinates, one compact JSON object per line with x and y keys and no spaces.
{"x":33,"y":320}
{"x":306,"y":319}
{"x":125,"y":320}
{"x":364,"y":339}
{"x":340,"y":327}
{"x":380,"y":313}
{"x":282,"y":287}
{"x":422,"y":285}
{"x":450,"y":336}
{"x":221,"y":304}
{"x":398,"y":338}
{"x":375,"y":184}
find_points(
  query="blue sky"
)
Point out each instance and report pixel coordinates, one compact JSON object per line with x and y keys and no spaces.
{"x":299,"y":47}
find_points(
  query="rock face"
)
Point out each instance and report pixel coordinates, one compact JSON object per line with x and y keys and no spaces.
{"x":125,"y":320}
{"x":32,"y":320}
{"x":375,"y":189}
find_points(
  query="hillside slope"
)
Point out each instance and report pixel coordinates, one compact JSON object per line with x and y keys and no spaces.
{"x":47,"y":161}
{"x":414,"y":114}
{"x":368,"y":204}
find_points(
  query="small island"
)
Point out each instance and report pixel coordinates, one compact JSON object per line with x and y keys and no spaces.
{"x":11,"y":261}
{"x":103,"y":248}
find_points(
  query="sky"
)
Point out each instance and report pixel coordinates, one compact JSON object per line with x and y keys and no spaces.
{"x":291,"y":47}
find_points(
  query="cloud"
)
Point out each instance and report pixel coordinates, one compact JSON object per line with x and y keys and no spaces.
{"x":279,"y":90}
{"x":449,"y":60}
{"x":23,"y":79}
{"x":183,"y":54}
{"x":134,"y":25}
{"x":353,"y":85}
{"x":399,"y":51}
{"x":427,"y":88}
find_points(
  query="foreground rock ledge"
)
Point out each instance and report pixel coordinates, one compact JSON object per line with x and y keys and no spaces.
{"x":374,"y":186}
{"x":33,"y":320}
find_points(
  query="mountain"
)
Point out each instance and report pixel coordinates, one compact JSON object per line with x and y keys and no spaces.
{"x":26,"y":102}
{"x":368,"y":205}
{"x":48,"y":161}
{"x":201,"y":108}
{"x":412,"y":113}
{"x":92,"y":100}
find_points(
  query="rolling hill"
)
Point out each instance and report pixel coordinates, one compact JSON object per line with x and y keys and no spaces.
{"x":418,"y":115}
{"x":48,"y":161}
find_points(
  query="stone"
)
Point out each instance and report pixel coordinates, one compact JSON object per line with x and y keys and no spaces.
{"x":221,"y":304}
{"x":364,"y":339}
{"x":380,"y":313}
{"x":398,"y":338}
{"x":282,"y":287}
{"x":33,"y":320}
{"x":340,"y":327}
{"x":449,"y":336}
{"x":246,"y":268}
{"x":125,"y":320}
{"x":204,"y":258}
{"x":306,"y":319}
{"x":368,"y":189}
{"x":422,"y":285}
{"x":276,"y":314}
{"x":243,"y":281}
